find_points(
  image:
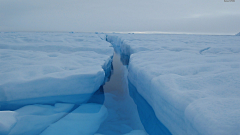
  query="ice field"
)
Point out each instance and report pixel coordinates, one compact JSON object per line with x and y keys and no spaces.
{"x":191,"y":81}
{"x":74,"y":83}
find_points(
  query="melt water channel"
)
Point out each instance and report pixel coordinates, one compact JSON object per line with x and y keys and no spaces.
{"x":123,"y":115}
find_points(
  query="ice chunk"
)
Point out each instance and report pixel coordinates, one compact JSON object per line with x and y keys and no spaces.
{"x":85,"y":120}
{"x":7,"y":121}
{"x":238,"y":34}
{"x":51,"y":67}
{"x":33,"y":119}
{"x":176,"y":80}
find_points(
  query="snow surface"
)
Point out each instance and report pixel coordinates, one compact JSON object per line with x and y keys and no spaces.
{"x":85,"y":120}
{"x":51,"y":67}
{"x":191,"y":81}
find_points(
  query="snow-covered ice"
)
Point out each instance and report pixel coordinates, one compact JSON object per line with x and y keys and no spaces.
{"x":183,"y":84}
{"x":85,"y":120}
{"x":191,"y":81}
{"x":51,"y":67}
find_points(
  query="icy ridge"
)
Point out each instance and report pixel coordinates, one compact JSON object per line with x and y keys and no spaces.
{"x":191,"y":81}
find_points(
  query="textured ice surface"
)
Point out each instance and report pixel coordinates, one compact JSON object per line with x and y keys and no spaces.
{"x":85,"y":120}
{"x":32,"y":119}
{"x":191,"y":81}
{"x":50,"y":67}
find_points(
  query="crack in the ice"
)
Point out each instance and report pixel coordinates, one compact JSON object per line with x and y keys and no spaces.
{"x":205,"y":49}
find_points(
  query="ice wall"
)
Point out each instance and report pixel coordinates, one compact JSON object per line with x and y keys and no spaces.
{"x":190,"y":81}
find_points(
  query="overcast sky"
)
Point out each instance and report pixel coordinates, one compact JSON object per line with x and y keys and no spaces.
{"x":187,"y":16}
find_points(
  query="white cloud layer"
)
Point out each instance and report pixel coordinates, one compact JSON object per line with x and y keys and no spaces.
{"x":205,"y":16}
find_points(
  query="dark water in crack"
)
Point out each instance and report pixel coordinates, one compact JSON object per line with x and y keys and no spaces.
{"x":123,"y":116}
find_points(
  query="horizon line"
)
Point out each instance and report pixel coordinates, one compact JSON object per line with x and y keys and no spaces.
{"x":131,"y":32}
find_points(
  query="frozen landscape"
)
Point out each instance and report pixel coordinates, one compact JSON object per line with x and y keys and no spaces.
{"x":191,"y":81}
{"x":119,"y":84}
